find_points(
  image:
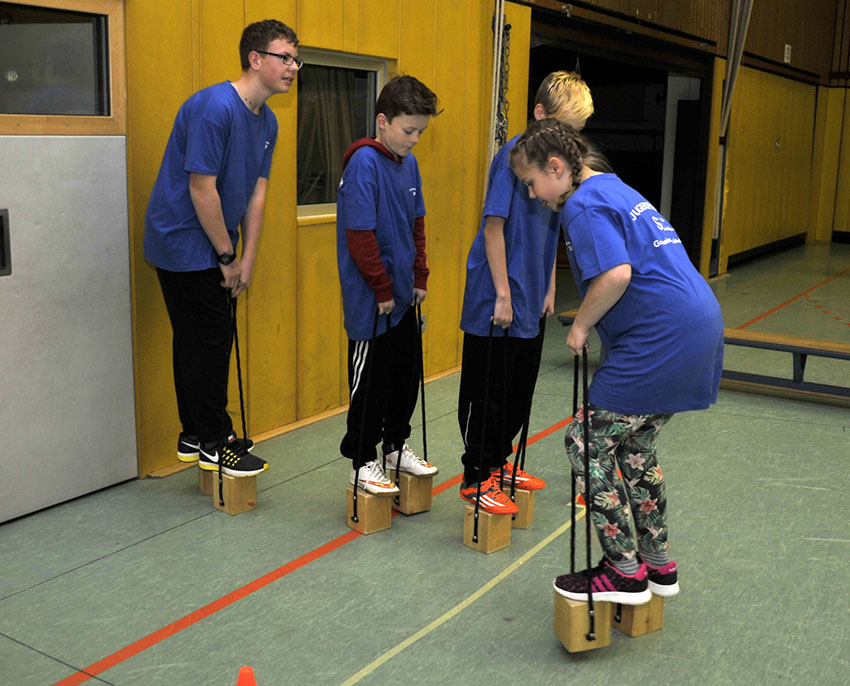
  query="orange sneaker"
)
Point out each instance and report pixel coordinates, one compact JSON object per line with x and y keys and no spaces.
{"x":493,"y":500}
{"x":524,"y":480}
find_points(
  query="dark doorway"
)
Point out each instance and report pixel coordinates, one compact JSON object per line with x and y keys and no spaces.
{"x":651,"y":115}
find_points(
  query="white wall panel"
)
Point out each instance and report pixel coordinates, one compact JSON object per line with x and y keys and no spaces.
{"x":67,"y":424}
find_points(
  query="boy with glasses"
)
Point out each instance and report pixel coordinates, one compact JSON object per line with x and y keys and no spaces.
{"x":213,"y":179}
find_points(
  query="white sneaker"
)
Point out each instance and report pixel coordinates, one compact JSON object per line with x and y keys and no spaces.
{"x":373,"y":480}
{"x":410,"y":462}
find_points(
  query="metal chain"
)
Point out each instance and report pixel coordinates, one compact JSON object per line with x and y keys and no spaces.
{"x":502,"y":110}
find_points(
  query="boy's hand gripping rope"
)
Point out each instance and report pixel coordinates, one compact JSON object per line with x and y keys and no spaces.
{"x":370,"y":355}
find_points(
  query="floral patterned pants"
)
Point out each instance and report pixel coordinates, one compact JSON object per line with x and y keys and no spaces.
{"x":626,"y":484}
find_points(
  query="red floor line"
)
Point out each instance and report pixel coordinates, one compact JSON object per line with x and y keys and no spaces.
{"x":796,"y":297}
{"x":194,"y":617}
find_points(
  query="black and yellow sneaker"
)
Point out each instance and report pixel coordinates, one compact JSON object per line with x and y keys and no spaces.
{"x":235,"y":458}
{"x":188,"y":448}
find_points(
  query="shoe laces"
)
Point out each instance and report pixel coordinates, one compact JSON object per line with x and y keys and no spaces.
{"x":410,"y":455}
{"x":491,"y":486}
{"x":372,"y":471}
{"x":236,"y":448}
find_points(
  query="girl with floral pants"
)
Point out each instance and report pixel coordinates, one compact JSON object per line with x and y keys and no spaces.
{"x":626,"y":483}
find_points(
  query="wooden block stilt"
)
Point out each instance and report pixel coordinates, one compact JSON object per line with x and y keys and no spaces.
{"x":205,"y":481}
{"x":525,"y":502}
{"x":239,"y":493}
{"x":636,"y":620}
{"x":572,"y":624}
{"x":414,"y":493}
{"x":374,"y":512}
{"x":494,"y":530}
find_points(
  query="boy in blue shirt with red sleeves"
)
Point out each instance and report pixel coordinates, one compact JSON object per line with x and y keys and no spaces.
{"x":383,"y":274}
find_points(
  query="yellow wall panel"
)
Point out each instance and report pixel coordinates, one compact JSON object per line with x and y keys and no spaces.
{"x":445,"y":200}
{"x":378,"y":24}
{"x":519,"y":17}
{"x":282,"y":10}
{"x":350,"y":26}
{"x":768,"y":171}
{"x":479,"y":61}
{"x":149,"y":124}
{"x":713,"y":188}
{"x":271,"y":299}
{"x":219,"y":27}
{"x":825,"y":161}
{"x":320,"y":24}
{"x":841,"y":221}
{"x":318,"y":303}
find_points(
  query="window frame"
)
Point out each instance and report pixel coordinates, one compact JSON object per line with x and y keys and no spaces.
{"x":319,"y":212}
{"x":114,"y":124}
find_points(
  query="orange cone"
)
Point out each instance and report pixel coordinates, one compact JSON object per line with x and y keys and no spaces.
{"x":246,"y":677}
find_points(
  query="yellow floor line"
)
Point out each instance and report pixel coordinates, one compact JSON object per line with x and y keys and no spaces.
{"x":392,"y":652}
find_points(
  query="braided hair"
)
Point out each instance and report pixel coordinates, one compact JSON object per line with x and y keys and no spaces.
{"x":546,"y":138}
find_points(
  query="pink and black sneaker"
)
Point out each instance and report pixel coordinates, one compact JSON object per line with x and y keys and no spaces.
{"x":607,"y":585}
{"x":663,"y":581}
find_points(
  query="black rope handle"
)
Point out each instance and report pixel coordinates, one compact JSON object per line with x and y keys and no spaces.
{"x":422,"y":387}
{"x":573,"y":481}
{"x":422,"y":380}
{"x":370,"y":354}
{"x":519,"y":460}
{"x":239,"y":372}
{"x":483,"y":431}
{"x":588,"y":505}
{"x":230,"y":307}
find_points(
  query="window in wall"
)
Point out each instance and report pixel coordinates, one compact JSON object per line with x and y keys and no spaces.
{"x":53,"y":61}
{"x":336,"y":106}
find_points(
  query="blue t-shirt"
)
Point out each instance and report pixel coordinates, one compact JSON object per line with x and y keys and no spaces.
{"x":663,"y":339}
{"x":381,"y":195}
{"x":531,"y":241}
{"x":216,"y":134}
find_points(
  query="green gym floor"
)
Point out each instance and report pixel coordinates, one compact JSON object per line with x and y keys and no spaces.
{"x":145,"y":583}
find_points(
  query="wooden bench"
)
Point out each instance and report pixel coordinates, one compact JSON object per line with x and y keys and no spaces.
{"x":800,"y":348}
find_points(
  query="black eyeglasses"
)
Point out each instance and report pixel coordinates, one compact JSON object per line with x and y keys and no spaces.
{"x":286,"y":58}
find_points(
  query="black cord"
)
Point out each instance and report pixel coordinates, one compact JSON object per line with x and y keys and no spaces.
{"x":370,"y":354}
{"x":591,"y":635}
{"x":483,"y":432}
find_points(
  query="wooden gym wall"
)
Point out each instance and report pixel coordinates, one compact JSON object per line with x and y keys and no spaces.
{"x":290,"y":320}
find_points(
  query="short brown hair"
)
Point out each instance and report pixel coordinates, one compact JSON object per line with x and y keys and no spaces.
{"x":257,"y":36}
{"x":406,"y":95}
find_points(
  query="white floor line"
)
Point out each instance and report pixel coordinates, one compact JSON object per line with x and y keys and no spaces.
{"x":392,"y":652}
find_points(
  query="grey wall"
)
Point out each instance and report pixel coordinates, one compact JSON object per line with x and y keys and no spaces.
{"x":67,"y":424}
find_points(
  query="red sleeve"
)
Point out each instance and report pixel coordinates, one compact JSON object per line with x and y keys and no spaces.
{"x":420,"y":266}
{"x":363,"y":248}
